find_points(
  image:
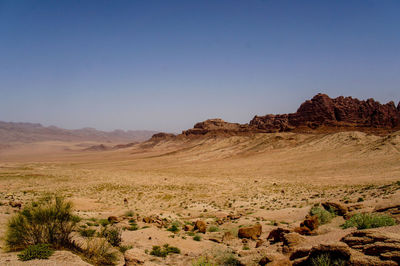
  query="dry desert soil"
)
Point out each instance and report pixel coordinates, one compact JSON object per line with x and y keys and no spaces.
{"x":224,"y":183}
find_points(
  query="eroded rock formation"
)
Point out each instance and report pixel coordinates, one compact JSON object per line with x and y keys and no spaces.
{"x":320,"y":113}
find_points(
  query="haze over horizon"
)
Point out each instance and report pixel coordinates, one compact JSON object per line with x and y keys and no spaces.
{"x":165,"y":65}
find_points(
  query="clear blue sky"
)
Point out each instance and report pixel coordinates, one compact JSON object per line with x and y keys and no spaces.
{"x":165,"y":65}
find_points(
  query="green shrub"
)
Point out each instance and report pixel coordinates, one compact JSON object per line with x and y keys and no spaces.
{"x":213,"y":229}
{"x":87,"y":232}
{"x":133,"y":227}
{"x":164,"y":250}
{"x":129,"y":213}
{"x":323,"y":215}
{"x":325,"y":259}
{"x":104,"y":222}
{"x":203,"y":261}
{"x":226,"y":257}
{"x":99,"y":252}
{"x":174,"y":227}
{"x":197,"y":238}
{"x":122,"y":249}
{"x":49,"y":221}
{"x":369,"y":220}
{"x":39,"y":251}
{"x":113,"y":236}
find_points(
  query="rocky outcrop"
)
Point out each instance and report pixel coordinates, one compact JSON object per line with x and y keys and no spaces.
{"x":162,"y":136}
{"x":337,"y":252}
{"x":252,"y":232}
{"x":339,"y":112}
{"x":201,"y":226}
{"x":384,"y":245}
{"x":320,"y":113}
{"x":216,"y":126}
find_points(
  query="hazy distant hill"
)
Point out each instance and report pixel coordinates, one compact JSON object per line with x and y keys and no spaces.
{"x":29,"y":132}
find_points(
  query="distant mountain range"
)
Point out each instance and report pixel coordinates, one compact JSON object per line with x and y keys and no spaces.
{"x":30,"y":132}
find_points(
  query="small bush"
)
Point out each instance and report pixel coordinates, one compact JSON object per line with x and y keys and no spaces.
{"x":113,"y":236}
{"x":87,"y":232}
{"x":325,"y":259}
{"x":202,"y":261}
{"x":129,"y":213}
{"x":39,"y":251}
{"x":133,"y":227}
{"x":123,"y":249}
{"x":197,"y":238}
{"x":174,"y":227}
{"x":323,"y":215}
{"x":164,"y":251}
{"x":213,"y":229}
{"x":226,"y":257}
{"x":104,"y":222}
{"x":369,"y":220}
{"x":49,"y":221}
{"x":100,"y":252}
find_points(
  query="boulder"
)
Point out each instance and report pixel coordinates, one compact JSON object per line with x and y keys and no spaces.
{"x":148,"y":220}
{"x":277,"y":235}
{"x":253,"y":232}
{"x":135,"y":256}
{"x":337,"y":207}
{"x":292,"y":239}
{"x":113,"y":219}
{"x":188,"y":227}
{"x":311,"y":223}
{"x":201,"y":226}
{"x":303,"y":231}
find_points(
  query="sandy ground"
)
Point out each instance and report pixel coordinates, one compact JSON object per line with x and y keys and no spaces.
{"x":267,"y":178}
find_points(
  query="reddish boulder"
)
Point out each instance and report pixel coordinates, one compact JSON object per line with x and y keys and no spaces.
{"x":336,"y":207}
{"x":252,"y":232}
{"x":277,"y":235}
{"x":200,"y":226}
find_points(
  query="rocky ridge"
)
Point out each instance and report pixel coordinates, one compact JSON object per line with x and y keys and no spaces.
{"x":320,"y":114}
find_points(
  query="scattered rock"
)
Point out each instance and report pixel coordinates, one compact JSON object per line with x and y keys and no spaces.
{"x":252,"y":232}
{"x":148,"y":220}
{"x":200,"y":226}
{"x":292,"y":239}
{"x":188,"y":227}
{"x":135,"y":256}
{"x":311,"y":223}
{"x":337,"y":207}
{"x":303,"y":231}
{"x":277,"y":235}
{"x":259,"y":243}
{"x":113,"y":219}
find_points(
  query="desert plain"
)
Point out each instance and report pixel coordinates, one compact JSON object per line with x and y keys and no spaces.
{"x":225,"y":182}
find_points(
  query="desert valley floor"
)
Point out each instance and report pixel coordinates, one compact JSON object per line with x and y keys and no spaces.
{"x":226,"y":182}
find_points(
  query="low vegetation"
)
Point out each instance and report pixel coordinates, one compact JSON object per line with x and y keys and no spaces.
{"x":100,"y":252}
{"x":323,"y":215}
{"x":49,"y":221}
{"x":164,"y":250}
{"x":369,"y":220}
{"x":325,"y":259}
{"x":113,"y":235}
{"x":48,"y":224}
{"x":38,"y":251}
